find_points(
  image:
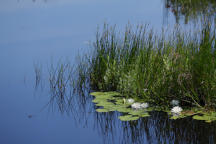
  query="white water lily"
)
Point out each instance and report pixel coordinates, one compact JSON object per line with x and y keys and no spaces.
{"x":130,"y":100}
{"x":176,"y":110}
{"x":174,"y":102}
{"x":144,"y":105}
{"x":136,"y":105}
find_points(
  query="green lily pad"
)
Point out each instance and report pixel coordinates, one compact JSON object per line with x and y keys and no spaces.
{"x":207,"y":117}
{"x":123,"y":109}
{"x":102,"y":110}
{"x":111,"y":101}
{"x":197,"y":114}
{"x":108,"y":94}
{"x":104,"y":103}
{"x":128,"y":118}
{"x":178,"y":117}
{"x":119,"y":101}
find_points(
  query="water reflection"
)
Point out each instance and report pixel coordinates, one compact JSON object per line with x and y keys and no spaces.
{"x":182,"y":10}
{"x":156,"y":129}
{"x":69,"y":92}
{"x":33,"y":1}
{"x":191,"y":10}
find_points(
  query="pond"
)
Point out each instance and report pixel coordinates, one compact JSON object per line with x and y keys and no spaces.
{"x":37,"y":36}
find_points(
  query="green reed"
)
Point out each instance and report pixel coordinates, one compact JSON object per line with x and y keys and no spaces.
{"x":156,"y":67}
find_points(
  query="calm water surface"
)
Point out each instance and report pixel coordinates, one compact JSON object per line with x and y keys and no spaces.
{"x":41,"y":32}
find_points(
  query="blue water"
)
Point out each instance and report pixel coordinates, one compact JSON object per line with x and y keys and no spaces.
{"x":43,"y":32}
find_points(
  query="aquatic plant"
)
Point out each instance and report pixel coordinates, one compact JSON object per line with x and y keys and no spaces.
{"x":138,"y":105}
{"x":176,"y":110}
{"x":144,"y":105}
{"x":38,"y":74}
{"x":174,"y":102}
{"x":112,"y":101}
{"x":207,"y":117}
{"x":130,"y":100}
{"x":128,"y":118}
{"x":156,"y":68}
{"x":144,"y":66}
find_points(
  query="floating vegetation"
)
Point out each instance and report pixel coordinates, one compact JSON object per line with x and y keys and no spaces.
{"x":128,"y":118}
{"x":207,"y":117}
{"x":102,"y":110}
{"x":130,"y":100}
{"x":176,"y":110}
{"x":113,"y":101}
{"x":138,"y":105}
{"x":197,"y":114}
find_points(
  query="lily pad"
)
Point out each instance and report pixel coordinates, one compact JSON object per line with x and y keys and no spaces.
{"x":128,"y":118}
{"x":102,"y":110}
{"x":104,"y":103}
{"x":108,"y":94}
{"x":123,"y":109}
{"x":208,"y":117}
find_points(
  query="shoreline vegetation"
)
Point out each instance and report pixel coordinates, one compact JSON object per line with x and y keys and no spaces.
{"x":156,"y":68}
{"x":140,"y":71}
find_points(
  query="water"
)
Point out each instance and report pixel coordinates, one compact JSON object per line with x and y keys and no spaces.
{"x":42,"y":32}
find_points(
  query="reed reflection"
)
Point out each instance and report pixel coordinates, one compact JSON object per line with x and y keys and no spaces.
{"x":192,"y":10}
{"x":157,"y":129}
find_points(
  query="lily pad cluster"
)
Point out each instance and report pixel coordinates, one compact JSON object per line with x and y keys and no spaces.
{"x":207,"y":117}
{"x":113,"y":101}
{"x":197,"y":114}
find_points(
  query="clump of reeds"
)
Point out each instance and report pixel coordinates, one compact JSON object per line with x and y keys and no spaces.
{"x":156,"y":67}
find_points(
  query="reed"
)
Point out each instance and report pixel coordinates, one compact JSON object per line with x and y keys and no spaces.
{"x":156,"y":67}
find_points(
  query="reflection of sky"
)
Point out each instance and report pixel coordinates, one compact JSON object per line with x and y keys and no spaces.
{"x":39,"y":20}
{"x":43,"y":31}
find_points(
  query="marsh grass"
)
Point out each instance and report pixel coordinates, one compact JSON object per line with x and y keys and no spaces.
{"x":67,"y":86}
{"x":156,"y":67}
{"x":38,"y":75}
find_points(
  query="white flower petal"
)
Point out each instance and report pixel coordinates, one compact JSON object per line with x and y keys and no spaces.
{"x":174,"y":102}
{"x":130,"y":100}
{"x":136,"y":105}
{"x":144,"y":105}
{"x":176,"y":110}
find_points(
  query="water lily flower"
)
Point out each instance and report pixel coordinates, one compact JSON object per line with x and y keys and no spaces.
{"x":174,"y":102}
{"x":176,"y":110}
{"x":136,"y":105}
{"x":130,"y":100}
{"x":144,"y":105}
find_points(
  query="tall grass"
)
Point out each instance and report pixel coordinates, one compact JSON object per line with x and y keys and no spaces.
{"x":156,"y":67}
